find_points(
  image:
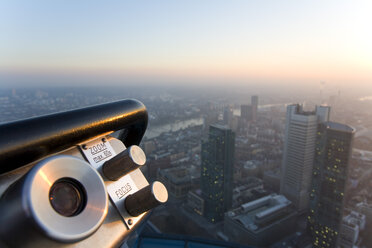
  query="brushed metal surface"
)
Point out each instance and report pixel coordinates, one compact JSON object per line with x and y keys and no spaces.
{"x":112,"y":232}
{"x":31,"y":211}
{"x":36,"y":196}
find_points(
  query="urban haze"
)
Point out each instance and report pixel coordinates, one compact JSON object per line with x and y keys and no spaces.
{"x":242,"y":167}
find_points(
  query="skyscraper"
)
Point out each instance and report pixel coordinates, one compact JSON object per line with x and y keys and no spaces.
{"x":217,"y":171}
{"x":330,"y":172}
{"x":298,"y":154}
{"x":246,"y":112}
{"x":254,"y":102}
{"x":227,"y":115}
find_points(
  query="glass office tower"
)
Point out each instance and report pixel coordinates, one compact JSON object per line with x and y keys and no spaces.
{"x":217,"y":171}
{"x":331,"y":163}
{"x":298,"y":155}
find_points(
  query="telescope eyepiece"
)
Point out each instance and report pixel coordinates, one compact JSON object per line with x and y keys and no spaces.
{"x":67,"y":197}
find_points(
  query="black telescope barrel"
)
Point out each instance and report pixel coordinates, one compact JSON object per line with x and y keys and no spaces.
{"x":25,"y":141}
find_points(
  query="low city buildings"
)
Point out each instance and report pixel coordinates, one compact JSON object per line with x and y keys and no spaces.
{"x":261,"y":222}
{"x":195,"y":201}
{"x":177,"y":180}
{"x":351,"y":225}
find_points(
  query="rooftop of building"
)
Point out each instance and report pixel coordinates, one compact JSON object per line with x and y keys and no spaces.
{"x":275,"y":173}
{"x":339,"y":127}
{"x":364,"y":204}
{"x":220,"y":126}
{"x":248,"y":183}
{"x":262,"y":212}
{"x":177,"y":174}
{"x":300,"y":111}
{"x":197,"y":192}
{"x":251,"y":164}
{"x":354,"y":219}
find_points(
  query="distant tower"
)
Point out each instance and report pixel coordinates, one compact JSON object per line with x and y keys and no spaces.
{"x":298,"y":154}
{"x":210,"y":116}
{"x":217,"y":158}
{"x":227,"y":115}
{"x":254,"y":101}
{"x":330,"y":172}
{"x":246,"y":112}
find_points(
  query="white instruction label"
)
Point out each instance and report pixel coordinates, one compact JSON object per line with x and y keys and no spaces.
{"x":97,"y":152}
{"x":118,"y":190}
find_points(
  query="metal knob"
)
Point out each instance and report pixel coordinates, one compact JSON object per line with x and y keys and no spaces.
{"x":147,"y":198}
{"x":128,"y":160}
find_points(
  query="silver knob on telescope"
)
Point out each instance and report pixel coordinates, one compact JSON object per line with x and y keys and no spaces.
{"x":147,"y":198}
{"x":123,"y":163}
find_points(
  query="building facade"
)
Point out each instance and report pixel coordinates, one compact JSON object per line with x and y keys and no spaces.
{"x":298,"y":154}
{"x":330,"y":172}
{"x":254,"y":102}
{"x":228,"y":115}
{"x":217,"y":158}
{"x":246,"y":112}
{"x":366,"y":209}
{"x":177,"y":180}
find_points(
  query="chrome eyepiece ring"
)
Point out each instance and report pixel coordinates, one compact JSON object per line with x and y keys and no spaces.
{"x":38,"y":198}
{"x":63,"y":196}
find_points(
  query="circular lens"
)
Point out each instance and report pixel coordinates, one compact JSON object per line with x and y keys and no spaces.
{"x":67,"y":197}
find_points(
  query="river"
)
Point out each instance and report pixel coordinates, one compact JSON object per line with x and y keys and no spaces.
{"x":365,"y":98}
{"x":155,"y":131}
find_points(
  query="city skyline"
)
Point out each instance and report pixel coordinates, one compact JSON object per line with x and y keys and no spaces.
{"x":203,"y":168}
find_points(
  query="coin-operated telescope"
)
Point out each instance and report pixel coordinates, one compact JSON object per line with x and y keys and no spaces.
{"x":66,"y":181}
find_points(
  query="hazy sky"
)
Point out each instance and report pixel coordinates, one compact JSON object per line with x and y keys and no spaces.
{"x":201,"y":40}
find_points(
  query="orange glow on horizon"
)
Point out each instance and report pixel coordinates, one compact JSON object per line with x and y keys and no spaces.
{"x":272,"y":70}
